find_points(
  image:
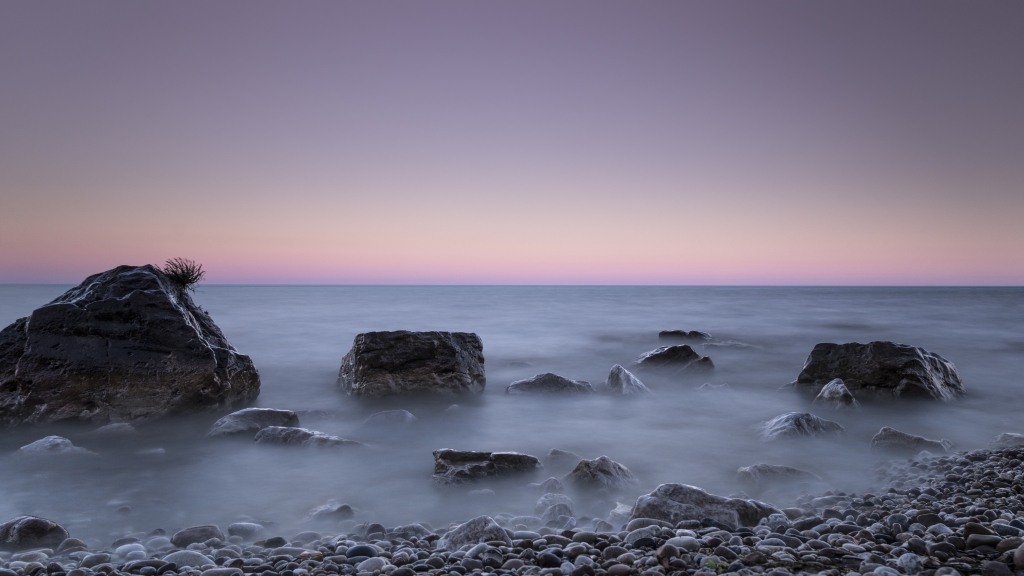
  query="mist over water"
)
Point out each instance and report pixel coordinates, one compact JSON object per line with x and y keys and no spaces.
{"x":297,"y":336}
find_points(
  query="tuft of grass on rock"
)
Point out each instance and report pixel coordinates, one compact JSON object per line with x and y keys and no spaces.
{"x":184,"y":272}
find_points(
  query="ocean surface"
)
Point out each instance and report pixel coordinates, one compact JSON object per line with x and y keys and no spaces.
{"x":297,"y":336}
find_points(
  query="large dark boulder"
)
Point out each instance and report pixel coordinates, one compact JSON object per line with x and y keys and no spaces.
{"x":127,"y":344}
{"x":676,"y":502}
{"x":25,"y":532}
{"x":453,"y":467}
{"x":883,"y":369}
{"x":388,"y":363}
{"x":549,"y":383}
{"x":799,"y":425}
{"x":601,"y":472}
{"x":674,"y":359}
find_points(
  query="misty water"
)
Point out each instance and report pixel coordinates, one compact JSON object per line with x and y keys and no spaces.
{"x":297,"y":336}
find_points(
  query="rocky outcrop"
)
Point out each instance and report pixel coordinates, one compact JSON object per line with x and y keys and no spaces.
{"x":837,"y":396}
{"x":676,"y":502}
{"x":602,"y":472}
{"x":760,"y":477}
{"x":799,"y":425}
{"x":884,"y":369}
{"x":674,"y":359}
{"x":684,"y":336}
{"x":477,"y":530}
{"x":252,"y":420}
{"x":621,"y":381}
{"x":301,"y":437}
{"x":894,"y":440}
{"x":53,"y":446}
{"x":128,"y":344}
{"x":453,"y":467}
{"x":389,"y":363}
{"x":549,"y":384}
{"x":26,"y":532}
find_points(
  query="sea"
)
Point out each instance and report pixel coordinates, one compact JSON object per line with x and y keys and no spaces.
{"x":170,"y":475}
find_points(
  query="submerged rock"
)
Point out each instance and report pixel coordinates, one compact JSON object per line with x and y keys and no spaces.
{"x":836,"y":395}
{"x":556,"y":458}
{"x":549,"y":384}
{"x":674,"y":358}
{"x":301,"y":437}
{"x":477,"y":530}
{"x":128,"y":344}
{"x":763,"y":476}
{"x":550,"y":499}
{"x":115,"y":429}
{"x":676,"y":502}
{"x":389,"y":363}
{"x":390,"y":418}
{"x":892,"y":439}
{"x":798,"y":424}
{"x":684,"y":336}
{"x":252,"y":420}
{"x":53,"y":445}
{"x":621,"y":381}
{"x":26,"y":532}
{"x":332,"y":510}
{"x":884,"y":369}
{"x":602,"y":472}
{"x":195,"y":534}
{"x":1008,"y":440}
{"x":453,"y":467}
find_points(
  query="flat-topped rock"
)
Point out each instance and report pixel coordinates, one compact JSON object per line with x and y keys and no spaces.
{"x":128,"y":344}
{"x":677,"y":502}
{"x":252,"y":420}
{"x":799,"y":425}
{"x":676,"y":358}
{"x":883,"y":369}
{"x":622,"y":381}
{"x":893,"y":439}
{"x":301,"y":437}
{"x":453,"y":467}
{"x":402,"y":362}
{"x":601,"y":472}
{"x":837,"y":396}
{"x":549,"y":384}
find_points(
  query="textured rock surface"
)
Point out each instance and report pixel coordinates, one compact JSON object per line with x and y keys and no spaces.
{"x":797,"y":425}
{"x":674,"y":359}
{"x":300,"y":437}
{"x":601,"y":472}
{"x":549,"y":384}
{"x":55,"y":445}
{"x":127,"y":344}
{"x":252,"y":420}
{"x":481,"y":529}
{"x":621,"y":381}
{"x":676,"y":502}
{"x":762,"y":476}
{"x":883,"y":369}
{"x":194,"y":534}
{"x":892,"y":439}
{"x":26,"y":532}
{"x":684,"y":336}
{"x":389,"y":363}
{"x":836,"y":395}
{"x":452,"y":467}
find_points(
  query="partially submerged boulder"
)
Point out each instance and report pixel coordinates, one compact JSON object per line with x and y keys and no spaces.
{"x":252,"y":420}
{"x":621,"y":381}
{"x":53,"y":446}
{"x":556,"y":458}
{"x":884,"y":369}
{"x":477,"y":530}
{"x":453,"y":467}
{"x":837,"y":396}
{"x":390,"y":418}
{"x":400,"y":362}
{"x":601,"y":472}
{"x":892,"y":439}
{"x":797,"y":425}
{"x":550,"y":499}
{"x":332,"y":510}
{"x":549,"y":384}
{"x":301,"y":437}
{"x":676,"y":502}
{"x":674,"y":359}
{"x":128,"y":344}
{"x":27,"y":532}
{"x":196,"y":534}
{"x":1008,"y":440}
{"x":684,"y":336}
{"x":763,"y":476}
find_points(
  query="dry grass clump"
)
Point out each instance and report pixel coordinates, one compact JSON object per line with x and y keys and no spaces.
{"x":184,"y":272}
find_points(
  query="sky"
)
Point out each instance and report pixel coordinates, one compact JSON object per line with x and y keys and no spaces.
{"x":527,"y":142}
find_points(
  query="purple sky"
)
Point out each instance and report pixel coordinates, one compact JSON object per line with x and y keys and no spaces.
{"x":515,"y":142}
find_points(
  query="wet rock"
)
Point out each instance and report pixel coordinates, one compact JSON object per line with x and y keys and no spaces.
{"x":892,"y":439}
{"x":252,"y":420}
{"x":883,"y":369}
{"x":676,"y":502}
{"x":481,"y":529}
{"x":125,"y":345}
{"x":247,"y":531}
{"x":389,"y":363}
{"x":453,"y":467}
{"x":762,"y":476}
{"x":53,"y":445}
{"x":301,"y":437}
{"x":25,"y":532}
{"x":115,"y":429}
{"x":194,"y":534}
{"x":1008,"y":440}
{"x":332,"y":510}
{"x":549,"y":384}
{"x":837,"y":396}
{"x":601,"y":472}
{"x":684,"y":336}
{"x":553,"y":485}
{"x":548,"y":500}
{"x":621,"y":381}
{"x":408,"y":531}
{"x":797,"y":425}
{"x":390,"y":418}
{"x":556,"y":458}
{"x":674,"y":359}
